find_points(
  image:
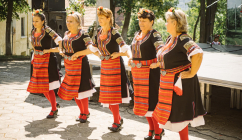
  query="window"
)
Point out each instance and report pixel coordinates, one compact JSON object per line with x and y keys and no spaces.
{"x":22,"y":26}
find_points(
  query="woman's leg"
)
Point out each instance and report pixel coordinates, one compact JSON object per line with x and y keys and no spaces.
{"x":184,"y":134}
{"x":79,"y":104}
{"x":151,"y":125}
{"x":158,"y":130}
{"x":84,"y":103}
{"x":116,"y":115}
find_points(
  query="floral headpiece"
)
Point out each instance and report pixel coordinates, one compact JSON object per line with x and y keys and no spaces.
{"x":37,"y":11}
{"x":172,"y":9}
{"x":76,"y":6}
{"x":216,"y":35}
{"x":100,"y":8}
{"x":142,"y":10}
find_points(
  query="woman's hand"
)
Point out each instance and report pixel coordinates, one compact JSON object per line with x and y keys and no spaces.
{"x":129,"y":62}
{"x":75,"y":56}
{"x":154,"y":65}
{"x":46,"y":51}
{"x":186,"y":74}
{"x":115,"y":55}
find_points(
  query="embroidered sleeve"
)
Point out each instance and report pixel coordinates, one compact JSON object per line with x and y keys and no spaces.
{"x":191,"y":48}
{"x":87,"y":39}
{"x":53,"y":35}
{"x":157,"y":40}
{"x":120,"y":40}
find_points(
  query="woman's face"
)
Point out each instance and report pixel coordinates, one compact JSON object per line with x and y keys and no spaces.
{"x":71,"y":23}
{"x":103,"y":21}
{"x":145,"y":24}
{"x":37,"y":22}
{"x":170,"y":25}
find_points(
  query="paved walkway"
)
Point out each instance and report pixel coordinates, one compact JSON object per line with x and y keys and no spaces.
{"x":22,"y":115}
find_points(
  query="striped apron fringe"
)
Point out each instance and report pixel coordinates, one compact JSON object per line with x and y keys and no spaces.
{"x":141,"y":86}
{"x":163,"y":108}
{"x":70,"y":86}
{"x":110,"y":82}
{"x":39,"y":82}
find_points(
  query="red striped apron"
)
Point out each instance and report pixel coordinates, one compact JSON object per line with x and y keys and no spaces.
{"x":39,"y":82}
{"x":70,"y":85}
{"x":141,"y":86}
{"x":110,"y":82}
{"x":163,"y":108}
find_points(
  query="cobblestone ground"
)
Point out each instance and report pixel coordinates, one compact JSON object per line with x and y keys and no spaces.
{"x":22,"y":115}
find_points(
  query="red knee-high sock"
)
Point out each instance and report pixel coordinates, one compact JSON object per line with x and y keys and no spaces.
{"x":158,"y":130}
{"x":85,"y":107}
{"x":151,"y":125}
{"x":79,"y":104}
{"x":116,"y":116}
{"x":52,"y":100}
{"x":110,"y":107}
{"x":184,"y":134}
{"x":47,"y":96}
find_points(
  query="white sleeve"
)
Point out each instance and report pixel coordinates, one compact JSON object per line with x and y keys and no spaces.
{"x":92,"y":48}
{"x":195,"y":51}
{"x":124,"y":48}
{"x":57,"y":40}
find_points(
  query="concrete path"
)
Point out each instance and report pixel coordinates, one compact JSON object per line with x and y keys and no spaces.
{"x":22,"y":115}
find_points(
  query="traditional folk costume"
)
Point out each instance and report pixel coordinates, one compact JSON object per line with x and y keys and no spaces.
{"x":216,"y":43}
{"x":45,"y":77}
{"x":146,"y":80}
{"x":78,"y":82}
{"x":115,"y":87}
{"x":179,"y":99}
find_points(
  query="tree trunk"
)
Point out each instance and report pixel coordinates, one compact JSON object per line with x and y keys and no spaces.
{"x":202,"y":23}
{"x":112,"y":8}
{"x":8,"y":27}
{"x":195,"y":27}
{"x":126,"y":24}
{"x":212,"y":19}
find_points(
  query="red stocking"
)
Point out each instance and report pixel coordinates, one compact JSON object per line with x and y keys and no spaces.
{"x":85,"y":107}
{"x":184,"y":134}
{"x":52,"y":101}
{"x":116,"y":116}
{"x":151,"y":125}
{"x":110,"y":107}
{"x":79,"y":104}
{"x":158,"y":130}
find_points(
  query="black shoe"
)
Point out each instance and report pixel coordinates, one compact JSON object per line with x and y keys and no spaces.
{"x":54,"y":114}
{"x":57,"y":105}
{"x":149,"y":137}
{"x":84,"y":121}
{"x":115,"y":129}
{"x":79,"y":119}
{"x":121,"y":121}
{"x":161,"y":134}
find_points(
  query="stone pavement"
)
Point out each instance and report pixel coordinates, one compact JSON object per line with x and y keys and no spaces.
{"x":22,"y":115}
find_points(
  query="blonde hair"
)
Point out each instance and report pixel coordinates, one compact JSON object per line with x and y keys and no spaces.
{"x":107,"y":13}
{"x":77,"y":16}
{"x":181,"y":19}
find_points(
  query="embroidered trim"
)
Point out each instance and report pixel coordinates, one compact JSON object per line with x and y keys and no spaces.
{"x":115,"y":31}
{"x":36,"y":41}
{"x":119,"y":40}
{"x":184,"y":36}
{"x":67,"y":42}
{"x":87,"y":40}
{"x":103,"y":43}
{"x":189,"y":44}
{"x":86,"y":33}
{"x":157,"y":43}
{"x":156,"y":34}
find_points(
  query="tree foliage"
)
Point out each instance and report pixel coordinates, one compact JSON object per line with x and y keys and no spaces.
{"x":19,"y":6}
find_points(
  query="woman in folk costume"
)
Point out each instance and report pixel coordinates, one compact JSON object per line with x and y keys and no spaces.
{"x":78,"y":82}
{"x":45,"y":77}
{"x":179,"y":93}
{"x":114,"y":85}
{"x":147,"y":41}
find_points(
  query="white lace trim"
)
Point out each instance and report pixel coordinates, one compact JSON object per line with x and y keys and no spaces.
{"x":54,"y":85}
{"x":85,"y":94}
{"x":176,"y":127}
{"x":195,"y":51}
{"x":124,"y":48}
{"x":92,"y":48}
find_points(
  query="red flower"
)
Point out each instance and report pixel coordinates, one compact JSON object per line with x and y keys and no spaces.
{"x":36,"y":11}
{"x":171,"y":9}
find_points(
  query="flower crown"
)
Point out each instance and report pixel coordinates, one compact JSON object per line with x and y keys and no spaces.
{"x":172,"y":9}
{"x":142,"y":10}
{"x":76,"y":6}
{"x":100,"y":8}
{"x":37,"y":11}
